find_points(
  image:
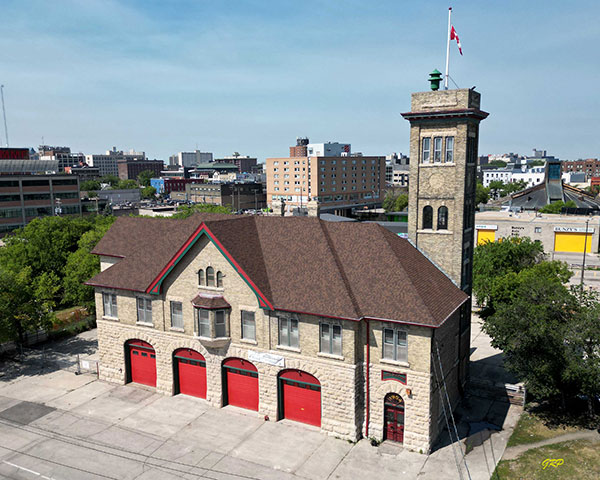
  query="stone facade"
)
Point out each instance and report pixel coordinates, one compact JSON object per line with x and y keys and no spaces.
{"x":342,"y":377}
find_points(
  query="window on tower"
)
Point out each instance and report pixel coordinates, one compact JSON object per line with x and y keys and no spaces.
{"x":442,"y":218}
{"x":426,"y":150}
{"x":437,"y":149}
{"x":427,"y":217}
{"x":449,"y":150}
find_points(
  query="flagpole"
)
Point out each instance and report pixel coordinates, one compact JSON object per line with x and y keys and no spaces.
{"x":448,"y":50}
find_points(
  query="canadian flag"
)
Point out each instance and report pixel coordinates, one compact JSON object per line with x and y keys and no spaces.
{"x":454,"y":36}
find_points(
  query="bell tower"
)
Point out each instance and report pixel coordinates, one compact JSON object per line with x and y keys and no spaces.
{"x":444,"y":135}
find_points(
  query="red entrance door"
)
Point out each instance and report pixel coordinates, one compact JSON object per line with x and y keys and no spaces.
{"x":190,"y":367}
{"x":394,"y":417}
{"x":300,"y":397}
{"x":142,"y":362}
{"x":241,"y":383}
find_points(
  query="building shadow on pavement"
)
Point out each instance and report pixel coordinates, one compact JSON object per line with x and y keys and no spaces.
{"x":47,"y":357}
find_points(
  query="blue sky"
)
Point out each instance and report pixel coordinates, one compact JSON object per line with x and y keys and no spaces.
{"x":250,"y":76}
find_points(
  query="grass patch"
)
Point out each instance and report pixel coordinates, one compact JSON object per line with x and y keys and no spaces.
{"x":63,"y":318}
{"x":73,"y":328}
{"x":531,"y":428}
{"x":581,"y":461}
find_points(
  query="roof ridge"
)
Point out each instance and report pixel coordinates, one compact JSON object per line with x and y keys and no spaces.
{"x":338,"y":263}
{"x":384,"y":233}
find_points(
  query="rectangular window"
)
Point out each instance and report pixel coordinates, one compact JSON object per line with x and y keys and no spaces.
{"x":437,"y":149}
{"x":144,"y":310}
{"x":288,"y":332}
{"x":248,"y":326}
{"x":203,"y":322}
{"x":331,"y":339}
{"x":426,"y":150}
{"x":449,"y":150}
{"x":395,"y":345}
{"x":110,"y":304}
{"x":176,"y":315}
{"x":220,"y":330}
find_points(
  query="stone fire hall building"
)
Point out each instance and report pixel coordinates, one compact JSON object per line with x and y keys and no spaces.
{"x":336,"y":325}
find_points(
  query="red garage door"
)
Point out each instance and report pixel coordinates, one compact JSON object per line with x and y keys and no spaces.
{"x":142,"y":362}
{"x":190,"y":368}
{"x":300,"y":397}
{"x":241,"y":383}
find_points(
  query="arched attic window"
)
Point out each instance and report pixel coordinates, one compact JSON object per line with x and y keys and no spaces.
{"x":210,"y":276}
{"x":200,"y":277}
{"x":219,"y":279}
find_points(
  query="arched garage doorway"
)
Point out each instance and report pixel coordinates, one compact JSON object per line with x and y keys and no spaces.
{"x":240,"y":383}
{"x":140,"y":362}
{"x":300,"y":397}
{"x":190,"y":372}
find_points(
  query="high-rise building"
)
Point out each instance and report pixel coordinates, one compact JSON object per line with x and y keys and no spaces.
{"x":444,"y":136}
{"x":62,"y":155}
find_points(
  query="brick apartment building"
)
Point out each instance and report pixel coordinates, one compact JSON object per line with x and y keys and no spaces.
{"x":338,"y":325}
{"x":589,"y":166}
{"x":339,"y":182}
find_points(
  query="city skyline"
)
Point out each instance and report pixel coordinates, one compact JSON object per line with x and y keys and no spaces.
{"x":252,"y":76}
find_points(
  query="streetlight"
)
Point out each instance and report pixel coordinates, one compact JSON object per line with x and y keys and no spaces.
{"x":584,"y":249}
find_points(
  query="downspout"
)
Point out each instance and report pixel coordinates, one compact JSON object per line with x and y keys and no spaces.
{"x":368,"y":396}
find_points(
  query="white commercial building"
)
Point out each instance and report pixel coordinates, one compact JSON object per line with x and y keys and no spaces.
{"x":329,"y":149}
{"x":533,"y":176}
{"x":189,"y":159}
{"x":107,"y":163}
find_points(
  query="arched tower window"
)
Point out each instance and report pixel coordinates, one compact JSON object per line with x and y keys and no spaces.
{"x":200,"y":277}
{"x":219,"y":279}
{"x":442,"y":218}
{"x":210,"y":276}
{"x":427,"y":217}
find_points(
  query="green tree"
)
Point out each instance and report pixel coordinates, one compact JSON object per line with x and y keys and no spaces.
{"x":90,"y":185}
{"x":148,"y":192}
{"x":536,"y":163}
{"x":126,"y":185}
{"x":498,"y":163}
{"x":185,"y":211}
{"x":482,"y":194}
{"x":532,"y":308}
{"x":582,"y":338}
{"x":556,"y":207}
{"x":82,"y":265}
{"x":112,"y":180}
{"x":513,"y":187}
{"x":389,"y":202}
{"x":494,"y":260}
{"x":23,"y":306}
{"x":496,"y":187}
{"x":401,"y":202}
{"x":145,"y":176}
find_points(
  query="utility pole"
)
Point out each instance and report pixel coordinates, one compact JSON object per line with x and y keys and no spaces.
{"x":4,"y":114}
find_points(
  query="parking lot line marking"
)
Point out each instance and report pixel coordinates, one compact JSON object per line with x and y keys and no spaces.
{"x":27,"y":470}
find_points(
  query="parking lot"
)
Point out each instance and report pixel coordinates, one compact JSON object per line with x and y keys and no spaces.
{"x":57,"y":425}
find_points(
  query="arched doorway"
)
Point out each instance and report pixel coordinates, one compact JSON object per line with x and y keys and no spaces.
{"x":190,"y":372}
{"x":240,"y":383}
{"x":394,"y":418}
{"x":300,"y":397}
{"x":141,"y":362}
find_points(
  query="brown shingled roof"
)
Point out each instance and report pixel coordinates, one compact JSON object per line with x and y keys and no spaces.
{"x":346,"y":270}
{"x":210,"y":302}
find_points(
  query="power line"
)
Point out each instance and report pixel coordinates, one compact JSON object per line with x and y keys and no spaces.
{"x":76,"y":441}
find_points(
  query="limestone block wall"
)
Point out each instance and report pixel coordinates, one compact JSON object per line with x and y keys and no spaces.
{"x":338,"y":379}
{"x":417,"y":369}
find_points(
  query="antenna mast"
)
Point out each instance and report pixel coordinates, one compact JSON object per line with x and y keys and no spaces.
{"x":4,"y":114}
